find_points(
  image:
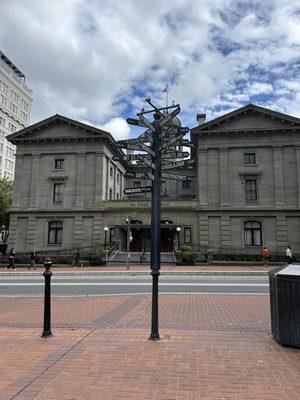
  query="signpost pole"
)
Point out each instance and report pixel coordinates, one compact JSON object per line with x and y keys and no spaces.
{"x":128,"y":243}
{"x":155,"y":228}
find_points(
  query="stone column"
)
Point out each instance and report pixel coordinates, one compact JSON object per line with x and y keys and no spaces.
{"x":225,"y":232}
{"x":278,"y":176}
{"x":98,"y":179}
{"x":281,"y":232}
{"x":17,"y":183}
{"x":202,"y":177}
{"x":224,"y":177}
{"x":80,"y":180}
{"x":77,"y":238}
{"x":31,"y":232}
{"x":34,"y":190}
{"x":203,"y":231}
{"x":298,"y":173}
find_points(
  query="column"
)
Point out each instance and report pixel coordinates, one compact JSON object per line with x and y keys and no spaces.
{"x":98,"y":229}
{"x":202,"y":177}
{"x":17,"y":183}
{"x":31,"y":231}
{"x":298,"y":173}
{"x":281,"y":232}
{"x":278,"y":176}
{"x":80,"y":180}
{"x":34,"y":190}
{"x":98,"y":179}
{"x":224,"y":177}
{"x":77,"y":230}
{"x":203,"y":232}
{"x":225,"y":232}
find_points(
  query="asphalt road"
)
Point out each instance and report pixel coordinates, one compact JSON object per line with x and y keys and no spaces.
{"x":33,"y":286}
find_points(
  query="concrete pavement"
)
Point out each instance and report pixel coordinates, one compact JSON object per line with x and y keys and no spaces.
{"x":212,"y":347}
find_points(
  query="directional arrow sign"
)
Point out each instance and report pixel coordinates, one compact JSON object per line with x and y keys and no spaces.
{"x":148,"y":162}
{"x":176,"y":164}
{"x":176,"y":154}
{"x":185,"y":142}
{"x":147,"y":123}
{"x":139,"y":175}
{"x":168,"y":143}
{"x":131,"y":157}
{"x":169,"y":117}
{"x":146,"y":136}
{"x":141,"y":189}
{"x":169,"y":131}
{"x":136,"y":122}
{"x":125,"y":142}
{"x":136,"y":146}
{"x":176,"y":177}
{"x":184,"y":130}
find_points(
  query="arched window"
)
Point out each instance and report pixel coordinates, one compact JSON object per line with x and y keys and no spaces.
{"x":252,"y":233}
{"x":55,"y":232}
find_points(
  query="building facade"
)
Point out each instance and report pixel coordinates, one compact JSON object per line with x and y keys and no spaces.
{"x":15,"y":107}
{"x":245,"y":191}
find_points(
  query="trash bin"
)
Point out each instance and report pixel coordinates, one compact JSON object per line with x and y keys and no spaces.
{"x":285,"y":304}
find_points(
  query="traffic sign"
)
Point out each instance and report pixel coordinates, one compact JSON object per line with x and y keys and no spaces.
{"x":133,"y":121}
{"x":136,"y":146}
{"x":148,"y":162}
{"x":176,"y":164}
{"x":146,"y":136}
{"x":139,"y":175}
{"x":175,"y":154}
{"x":131,"y":157}
{"x":186,"y":143}
{"x":170,"y":116}
{"x":141,"y":189}
{"x":147,"y":123}
{"x":176,"y":177}
{"x":167,"y":143}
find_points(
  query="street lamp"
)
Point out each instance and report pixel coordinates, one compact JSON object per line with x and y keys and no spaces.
{"x":105,"y":233}
{"x":128,"y":243}
{"x":178,"y":229}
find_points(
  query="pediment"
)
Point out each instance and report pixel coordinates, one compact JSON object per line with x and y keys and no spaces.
{"x":250,"y":118}
{"x":58,"y":128}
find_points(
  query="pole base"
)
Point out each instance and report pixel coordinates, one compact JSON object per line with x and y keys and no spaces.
{"x":154,"y":336}
{"x":47,"y":334}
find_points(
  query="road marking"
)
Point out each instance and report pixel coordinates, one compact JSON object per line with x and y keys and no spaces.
{"x":135,"y":284}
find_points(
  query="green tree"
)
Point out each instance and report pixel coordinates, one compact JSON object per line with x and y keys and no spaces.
{"x":6,"y":190}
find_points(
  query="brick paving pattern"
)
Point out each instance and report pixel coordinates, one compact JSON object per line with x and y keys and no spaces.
{"x":212,"y":347}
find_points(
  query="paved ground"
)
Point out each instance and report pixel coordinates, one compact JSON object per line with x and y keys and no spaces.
{"x":212,"y":347}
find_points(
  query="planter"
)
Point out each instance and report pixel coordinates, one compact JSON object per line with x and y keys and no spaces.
{"x":97,"y":262}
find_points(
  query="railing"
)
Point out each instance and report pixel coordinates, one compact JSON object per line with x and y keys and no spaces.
{"x":111,"y":251}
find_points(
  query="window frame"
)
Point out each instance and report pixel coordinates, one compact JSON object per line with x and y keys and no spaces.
{"x":187,"y":234}
{"x":57,"y":162}
{"x":58,"y":233}
{"x":251,"y":192}
{"x":249,"y":154}
{"x":252,"y":230}
{"x":57,"y":195}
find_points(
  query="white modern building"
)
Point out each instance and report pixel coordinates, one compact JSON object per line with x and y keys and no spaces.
{"x":15,"y":107}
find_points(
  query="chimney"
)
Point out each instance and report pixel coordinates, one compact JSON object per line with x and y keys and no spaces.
{"x":201,"y":118}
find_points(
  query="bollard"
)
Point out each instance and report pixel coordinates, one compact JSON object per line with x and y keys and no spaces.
{"x":47,"y":299}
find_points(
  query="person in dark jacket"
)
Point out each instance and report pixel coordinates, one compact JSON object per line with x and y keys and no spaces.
{"x":32,"y":260}
{"x":11,"y":259}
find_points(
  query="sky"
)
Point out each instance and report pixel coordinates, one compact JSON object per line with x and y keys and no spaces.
{"x":97,"y":60}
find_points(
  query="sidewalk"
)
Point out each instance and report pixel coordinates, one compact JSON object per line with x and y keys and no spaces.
{"x":212,"y":347}
{"x":145,"y":269}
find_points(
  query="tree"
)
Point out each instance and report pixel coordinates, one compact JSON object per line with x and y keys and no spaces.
{"x":6,"y":191}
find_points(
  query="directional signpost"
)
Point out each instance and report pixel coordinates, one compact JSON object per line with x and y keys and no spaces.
{"x":165,"y":139}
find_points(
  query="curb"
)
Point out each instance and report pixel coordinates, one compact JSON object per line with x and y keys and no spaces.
{"x":141,"y":273}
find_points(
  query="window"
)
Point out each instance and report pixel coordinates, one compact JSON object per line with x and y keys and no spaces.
{"x":57,"y":192}
{"x":136,"y":184}
{"x":55,"y":232}
{"x":111,"y":173}
{"x":118,"y":178}
{"x":59,"y":163}
{"x":187,"y":235}
{"x":110,"y":194}
{"x":186,"y":184}
{"x":251,"y":190}
{"x":252,"y":233}
{"x":249,"y":158}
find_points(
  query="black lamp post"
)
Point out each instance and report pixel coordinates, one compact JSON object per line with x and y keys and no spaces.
{"x":47,"y":299}
{"x":178,"y":229}
{"x":105,"y":234}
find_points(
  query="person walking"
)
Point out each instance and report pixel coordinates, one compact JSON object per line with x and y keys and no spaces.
{"x":289,"y":255}
{"x":32,"y":260}
{"x":11,"y":259}
{"x":77,"y":258}
{"x":266,"y":255}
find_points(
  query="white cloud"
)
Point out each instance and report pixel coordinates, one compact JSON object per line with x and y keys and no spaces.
{"x":118,"y":127}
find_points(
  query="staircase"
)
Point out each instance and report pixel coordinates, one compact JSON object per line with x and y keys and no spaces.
{"x":120,"y":257}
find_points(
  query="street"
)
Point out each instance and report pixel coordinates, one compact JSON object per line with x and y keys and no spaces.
{"x":33,"y":286}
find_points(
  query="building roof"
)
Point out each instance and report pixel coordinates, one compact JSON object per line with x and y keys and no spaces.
{"x":11,"y":65}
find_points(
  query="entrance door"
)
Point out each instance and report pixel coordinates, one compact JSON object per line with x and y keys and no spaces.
{"x":166,"y":241}
{"x":136,"y":243}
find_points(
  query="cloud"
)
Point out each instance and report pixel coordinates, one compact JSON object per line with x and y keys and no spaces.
{"x":97,"y":60}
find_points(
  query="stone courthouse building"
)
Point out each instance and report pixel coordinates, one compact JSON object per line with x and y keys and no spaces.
{"x":245,"y":191}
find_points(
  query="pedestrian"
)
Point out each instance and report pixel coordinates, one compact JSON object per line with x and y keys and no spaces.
{"x":32,"y":260}
{"x":11,"y":259}
{"x":266,"y":255}
{"x":76,"y":261}
{"x":289,"y":255}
